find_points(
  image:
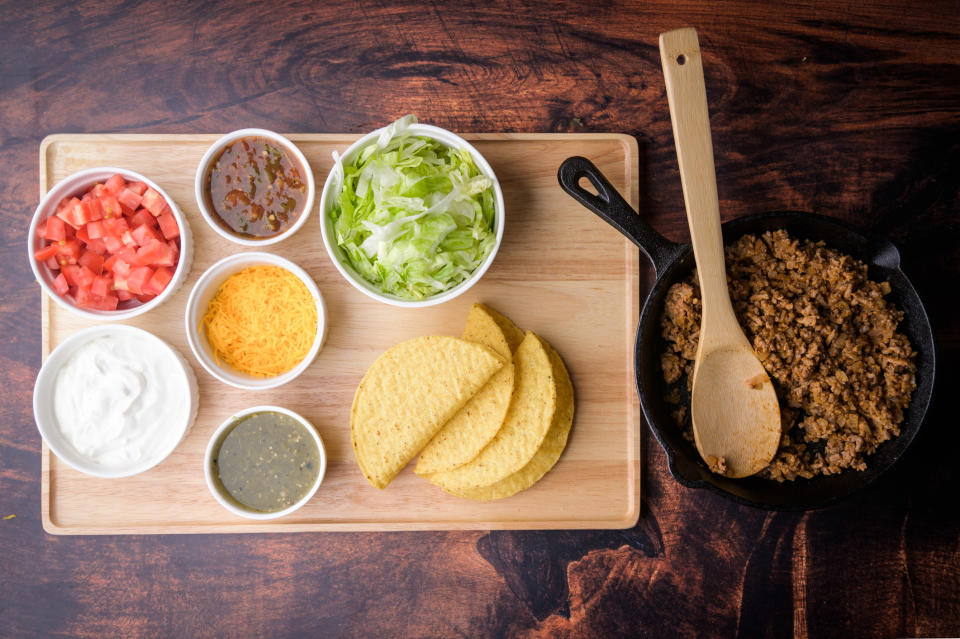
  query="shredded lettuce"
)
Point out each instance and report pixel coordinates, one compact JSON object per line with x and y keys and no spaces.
{"x":414,"y":217}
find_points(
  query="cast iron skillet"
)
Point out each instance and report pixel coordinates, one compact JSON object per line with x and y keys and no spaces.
{"x":672,"y":262}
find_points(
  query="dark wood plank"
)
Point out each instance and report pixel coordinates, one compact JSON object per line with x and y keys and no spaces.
{"x":848,"y":109}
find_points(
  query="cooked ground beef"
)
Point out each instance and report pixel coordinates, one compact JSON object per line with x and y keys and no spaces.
{"x":827,"y":338}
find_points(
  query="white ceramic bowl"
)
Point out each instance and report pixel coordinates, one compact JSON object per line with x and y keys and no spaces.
{"x":76,"y":184}
{"x":204,"y":290}
{"x":199,"y":186}
{"x":331,"y":190}
{"x":45,"y":415}
{"x":221,"y":494}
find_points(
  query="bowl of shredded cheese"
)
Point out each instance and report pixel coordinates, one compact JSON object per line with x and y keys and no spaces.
{"x":255,"y":320}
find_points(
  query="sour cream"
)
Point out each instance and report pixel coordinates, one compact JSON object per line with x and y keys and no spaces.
{"x":121,"y":400}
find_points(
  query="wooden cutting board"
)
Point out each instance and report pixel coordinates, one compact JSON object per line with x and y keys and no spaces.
{"x":561,"y":272}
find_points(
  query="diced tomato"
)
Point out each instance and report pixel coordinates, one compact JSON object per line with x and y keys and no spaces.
{"x":73,"y":213}
{"x":159,"y":281}
{"x":97,"y":246}
{"x":168,"y":225}
{"x":60,"y":285}
{"x":68,"y":250}
{"x":92,"y":261}
{"x":101,"y":285}
{"x":45,"y":254}
{"x":129,"y":199}
{"x":88,"y":299}
{"x":156,"y":253}
{"x":142,"y":216}
{"x":113,"y":243}
{"x":55,"y":230}
{"x":143,"y":233}
{"x":84,"y":277}
{"x":115,"y":184}
{"x":71,"y":272}
{"x":121,"y":267}
{"x":111,"y":206}
{"x":153,"y":201}
{"x":137,"y":187}
{"x":116,"y":225}
{"x":138,"y":278}
{"x":95,"y":230}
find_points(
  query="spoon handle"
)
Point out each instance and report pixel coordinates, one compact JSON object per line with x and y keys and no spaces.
{"x":687,"y":95}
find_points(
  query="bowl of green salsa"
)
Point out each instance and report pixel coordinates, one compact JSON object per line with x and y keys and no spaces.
{"x":264,"y":462}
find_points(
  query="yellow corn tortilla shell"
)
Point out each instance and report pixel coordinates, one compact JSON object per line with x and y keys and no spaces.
{"x":475,"y":425}
{"x":548,"y":453}
{"x":408,"y":394}
{"x":525,"y":426}
{"x":484,"y":328}
{"x":513,"y":333}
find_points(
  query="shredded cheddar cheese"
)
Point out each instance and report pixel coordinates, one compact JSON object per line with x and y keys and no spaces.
{"x":262,"y":321}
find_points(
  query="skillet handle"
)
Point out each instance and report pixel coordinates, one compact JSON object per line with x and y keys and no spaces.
{"x":610,"y":205}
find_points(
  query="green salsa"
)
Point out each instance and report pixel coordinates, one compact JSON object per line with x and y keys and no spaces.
{"x":268,"y":461}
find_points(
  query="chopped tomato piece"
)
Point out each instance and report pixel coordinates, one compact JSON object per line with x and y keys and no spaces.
{"x":159,"y":281}
{"x":55,"y":230}
{"x":73,"y":213}
{"x":138,"y":278}
{"x":121,"y":267}
{"x":113,"y":243}
{"x":122,"y":294}
{"x":143,"y":234}
{"x":127,"y":239}
{"x":129,"y":199}
{"x":168,"y":225}
{"x":146,"y":297}
{"x":115,"y":184}
{"x":101,"y":285}
{"x":153,"y":201}
{"x":97,"y":246}
{"x":137,"y":187}
{"x":60,"y":285}
{"x":53,"y":264}
{"x":116,"y":225}
{"x":70,"y":272}
{"x":92,"y":261}
{"x":96,"y":208}
{"x":88,"y":299}
{"x":68,"y":250}
{"x":156,"y":253}
{"x":142,"y":216}
{"x":84,"y":277}
{"x":95,"y":230}
{"x":45,"y":254}
{"x":111,"y":206}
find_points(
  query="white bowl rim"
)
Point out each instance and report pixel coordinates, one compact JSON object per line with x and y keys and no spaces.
{"x":236,"y":378}
{"x":200,"y":179}
{"x":228,"y":424}
{"x":90,"y":177}
{"x":47,"y":376}
{"x":446,"y":137}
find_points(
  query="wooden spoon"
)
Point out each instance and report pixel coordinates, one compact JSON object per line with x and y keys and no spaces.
{"x":736,"y":418}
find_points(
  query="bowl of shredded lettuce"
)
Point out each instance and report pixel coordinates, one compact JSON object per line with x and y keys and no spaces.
{"x":412,"y":214}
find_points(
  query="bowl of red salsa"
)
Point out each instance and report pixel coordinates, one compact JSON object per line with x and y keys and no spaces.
{"x":254,"y":187}
{"x":109,"y":244}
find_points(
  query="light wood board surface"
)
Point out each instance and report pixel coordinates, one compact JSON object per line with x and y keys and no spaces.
{"x":560,"y":271}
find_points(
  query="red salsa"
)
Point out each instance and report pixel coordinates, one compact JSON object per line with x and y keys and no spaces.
{"x":255,"y":188}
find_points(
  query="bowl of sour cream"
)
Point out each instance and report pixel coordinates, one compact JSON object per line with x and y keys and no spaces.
{"x":114,"y":401}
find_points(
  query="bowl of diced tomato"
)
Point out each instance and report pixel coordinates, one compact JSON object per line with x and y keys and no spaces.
{"x":109,"y":244}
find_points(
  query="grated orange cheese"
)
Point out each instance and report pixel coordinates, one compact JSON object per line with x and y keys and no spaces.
{"x":262,"y":321}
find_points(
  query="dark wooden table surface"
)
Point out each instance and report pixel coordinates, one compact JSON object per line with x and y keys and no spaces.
{"x":851,"y":109}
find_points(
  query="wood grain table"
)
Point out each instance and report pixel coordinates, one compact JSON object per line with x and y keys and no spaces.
{"x":850,"y":109}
